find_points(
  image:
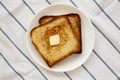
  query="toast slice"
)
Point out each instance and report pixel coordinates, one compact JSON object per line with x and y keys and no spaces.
{"x":68,"y":42}
{"x":75,"y":22}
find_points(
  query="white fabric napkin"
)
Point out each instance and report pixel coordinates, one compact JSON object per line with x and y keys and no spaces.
{"x":15,"y":62}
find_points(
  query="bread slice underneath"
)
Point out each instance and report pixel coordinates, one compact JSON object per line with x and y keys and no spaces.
{"x":68,"y":42}
{"x":75,"y":22}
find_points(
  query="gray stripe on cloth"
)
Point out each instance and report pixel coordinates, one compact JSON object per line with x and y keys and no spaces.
{"x":73,"y":3}
{"x":23,"y":53}
{"x":106,"y":38}
{"x":105,"y":64}
{"x":68,"y":75}
{"x":12,"y":67}
{"x":13,"y":16}
{"x":106,"y":14}
{"x":89,"y":72}
{"x":28,"y":6}
{"x":48,"y":2}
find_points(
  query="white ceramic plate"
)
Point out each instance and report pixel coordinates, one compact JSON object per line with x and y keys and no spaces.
{"x":74,"y":60}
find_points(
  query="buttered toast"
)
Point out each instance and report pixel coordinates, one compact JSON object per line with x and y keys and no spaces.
{"x":67,"y":43}
{"x":75,"y":22}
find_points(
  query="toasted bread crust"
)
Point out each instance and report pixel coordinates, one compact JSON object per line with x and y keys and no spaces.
{"x":53,"y":55}
{"x":75,"y":22}
{"x":46,"y":19}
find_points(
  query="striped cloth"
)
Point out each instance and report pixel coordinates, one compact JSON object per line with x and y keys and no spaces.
{"x":15,"y":62}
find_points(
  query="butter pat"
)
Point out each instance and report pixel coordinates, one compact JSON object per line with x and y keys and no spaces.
{"x":54,"y":40}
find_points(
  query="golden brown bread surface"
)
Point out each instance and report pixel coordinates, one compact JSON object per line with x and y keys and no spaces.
{"x":75,"y":22}
{"x":68,"y":41}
